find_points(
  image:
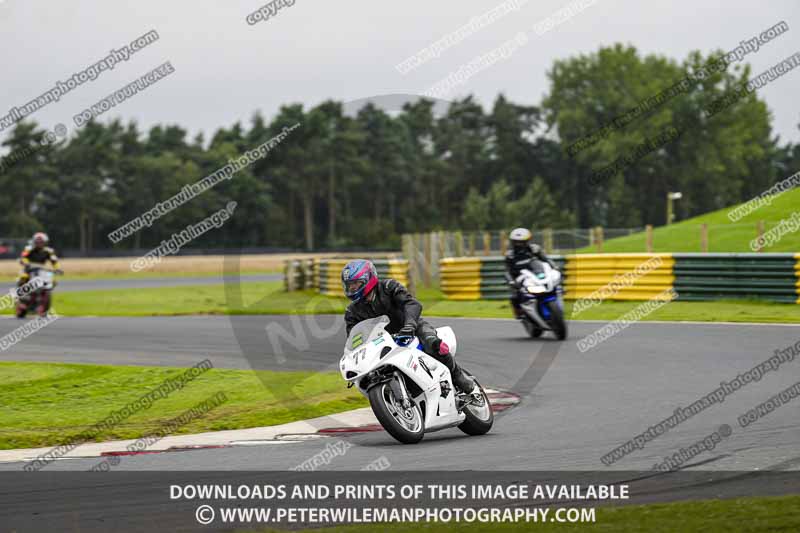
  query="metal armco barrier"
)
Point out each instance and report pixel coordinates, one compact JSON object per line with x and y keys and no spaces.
{"x":325,"y":274}
{"x":774,"y":277}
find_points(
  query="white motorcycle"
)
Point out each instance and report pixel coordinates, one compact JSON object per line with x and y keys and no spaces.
{"x":36,"y":294}
{"x":410,"y":392}
{"x":542,"y":300}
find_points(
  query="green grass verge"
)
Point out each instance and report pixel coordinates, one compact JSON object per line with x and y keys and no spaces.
{"x":182,"y":300}
{"x":45,"y":404}
{"x":746,"y":515}
{"x":150,"y":275}
{"x":270,"y":298}
{"x":723,"y":235}
{"x":716,"y":311}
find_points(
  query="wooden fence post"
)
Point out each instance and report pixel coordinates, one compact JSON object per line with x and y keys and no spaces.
{"x":704,"y":238}
{"x":547,"y":237}
{"x":487,"y":242}
{"x":472,"y":244}
{"x":426,"y":262}
{"x":599,"y":238}
{"x":459,"y":244}
{"x":409,"y":252}
{"x":760,"y":235}
{"x":648,"y":229}
{"x":436,"y":255}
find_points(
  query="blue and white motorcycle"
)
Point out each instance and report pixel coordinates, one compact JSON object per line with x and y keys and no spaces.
{"x":410,"y":392}
{"x":542,"y":300}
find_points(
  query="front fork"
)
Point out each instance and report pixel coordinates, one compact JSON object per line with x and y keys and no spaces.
{"x":398,"y":386}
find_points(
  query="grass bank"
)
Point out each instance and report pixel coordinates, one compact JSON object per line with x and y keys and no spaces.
{"x":46,"y":404}
{"x":270,"y":298}
{"x":724,"y":235}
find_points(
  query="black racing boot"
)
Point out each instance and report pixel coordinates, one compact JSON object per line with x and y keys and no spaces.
{"x":519,"y":314}
{"x":463,"y":382}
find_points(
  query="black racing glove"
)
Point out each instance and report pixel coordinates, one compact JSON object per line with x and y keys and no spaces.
{"x":405,"y":335}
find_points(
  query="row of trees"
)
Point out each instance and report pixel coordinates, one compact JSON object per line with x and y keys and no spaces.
{"x":362,"y":180}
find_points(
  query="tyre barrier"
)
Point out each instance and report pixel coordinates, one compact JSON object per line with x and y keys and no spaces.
{"x":324,"y":275}
{"x":635,"y":276}
{"x":299,"y":274}
{"x":477,"y":278}
{"x":639,"y":276}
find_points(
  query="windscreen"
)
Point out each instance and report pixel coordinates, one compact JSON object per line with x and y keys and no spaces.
{"x":537,"y":267}
{"x":365,"y":331}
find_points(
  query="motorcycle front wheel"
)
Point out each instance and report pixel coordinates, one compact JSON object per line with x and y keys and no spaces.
{"x":405,"y":425}
{"x":480,"y":416}
{"x":557,"y":321}
{"x":533,"y":330}
{"x":44,"y":304}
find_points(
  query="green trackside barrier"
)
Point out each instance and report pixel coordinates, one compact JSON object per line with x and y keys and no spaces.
{"x":698,"y":276}
{"x":694,"y":276}
{"x":769,"y":276}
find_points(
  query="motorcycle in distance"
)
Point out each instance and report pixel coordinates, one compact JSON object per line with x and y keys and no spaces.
{"x":36,"y":293}
{"x":410,"y":392}
{"x":542,"y":300}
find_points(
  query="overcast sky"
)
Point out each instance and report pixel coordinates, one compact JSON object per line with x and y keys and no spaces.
{"x":225,"y":68}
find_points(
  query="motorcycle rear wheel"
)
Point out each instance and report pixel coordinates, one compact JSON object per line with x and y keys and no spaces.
{"x":405,"y":425}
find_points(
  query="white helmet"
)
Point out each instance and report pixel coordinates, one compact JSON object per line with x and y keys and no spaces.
{"x":40,"y":239}
{"x":520,"y":237}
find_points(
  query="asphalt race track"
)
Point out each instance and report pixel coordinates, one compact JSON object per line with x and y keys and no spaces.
{"x":575,"y":408}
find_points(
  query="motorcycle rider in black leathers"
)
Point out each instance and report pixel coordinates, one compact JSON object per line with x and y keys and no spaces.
{"x":373,"y":298}
{"x":36,"y":252}
{"x":518,"y":258}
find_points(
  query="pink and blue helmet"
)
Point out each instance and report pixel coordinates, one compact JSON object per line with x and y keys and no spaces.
{"x":359,"y":277}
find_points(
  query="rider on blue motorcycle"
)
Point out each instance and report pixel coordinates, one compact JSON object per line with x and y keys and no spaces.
{"x":518,"y":258}
{"x":373,"y":298}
